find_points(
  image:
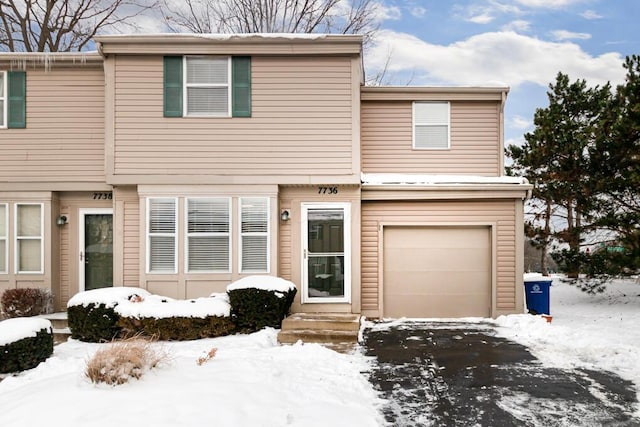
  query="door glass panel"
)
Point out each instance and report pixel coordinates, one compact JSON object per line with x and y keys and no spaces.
{"x":98,"y":259}
{"x":325,"y":260}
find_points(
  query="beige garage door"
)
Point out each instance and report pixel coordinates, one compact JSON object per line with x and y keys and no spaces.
{"x":437,"y":271}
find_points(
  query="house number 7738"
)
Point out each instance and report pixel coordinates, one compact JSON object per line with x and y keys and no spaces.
{"x":327,"y":190}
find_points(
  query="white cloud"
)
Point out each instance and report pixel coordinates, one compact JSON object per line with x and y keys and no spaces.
{"x":548,"y":4}
{"x":519,"y":123}
{"x":591,"y":14}
{"x":561,"y":35}
{"x":486,"y":12}
{"x":490,"y":59}
{"x":519,"y":26}
{"x":418,"y":11}
{"x":383,"y":13}
{"x":483,"y":18}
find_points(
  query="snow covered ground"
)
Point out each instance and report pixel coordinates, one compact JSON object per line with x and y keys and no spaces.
{"x":254,"y":381}
{"x":587,"y":331}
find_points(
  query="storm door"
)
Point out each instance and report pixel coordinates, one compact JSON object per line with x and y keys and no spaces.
{"x":96,"y":248}
{"x":326,"y":253}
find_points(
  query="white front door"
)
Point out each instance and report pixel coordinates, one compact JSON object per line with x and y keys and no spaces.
{"x":96,"y":248}
{"x":326,"y":246}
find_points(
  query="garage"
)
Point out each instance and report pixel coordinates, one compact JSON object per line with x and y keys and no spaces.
{"x":436,"y":271}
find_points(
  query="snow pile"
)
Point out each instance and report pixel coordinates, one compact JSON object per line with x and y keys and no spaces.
{"x":251,"y":381}
{"x":12,"y":330}
{"x":158,"y":307}
{"x":110,"y":297}
{"x":139,"y":303}
{"x":266,"y":283}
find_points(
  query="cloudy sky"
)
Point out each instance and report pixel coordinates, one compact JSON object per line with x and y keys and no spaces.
{"x":517,"y":43}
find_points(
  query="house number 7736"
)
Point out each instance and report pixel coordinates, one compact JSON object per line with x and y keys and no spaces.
{"x":327,"y":190}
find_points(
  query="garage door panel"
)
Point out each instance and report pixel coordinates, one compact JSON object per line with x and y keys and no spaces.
{"x":437,"y":271}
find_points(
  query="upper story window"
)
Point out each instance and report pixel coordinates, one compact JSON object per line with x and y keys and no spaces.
{"x":207,"y":86}
{"x":431,"y":126}
{"x":13,"y":105}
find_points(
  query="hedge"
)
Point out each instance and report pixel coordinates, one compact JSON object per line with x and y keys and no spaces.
{"x":253,"y":309}
{"x":93,"y":322}
{"x":177,"y":328}
{"x":26,"y":353}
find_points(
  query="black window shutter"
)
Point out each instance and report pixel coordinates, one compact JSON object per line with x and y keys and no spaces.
{"x":241,"y":86}
{"x":17,"y":105}
{"x":172,"y":86}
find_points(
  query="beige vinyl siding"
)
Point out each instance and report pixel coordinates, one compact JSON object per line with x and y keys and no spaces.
{"x":64,"y":138}
{"x":126,"y":237}
{"x":502,"y":213}
{"x":301,"y":121}
{"x":475,"y":140}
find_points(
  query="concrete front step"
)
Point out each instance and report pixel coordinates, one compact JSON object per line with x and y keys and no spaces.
{"x":61,"y":331}
{"x":314,"y":336}
{"x":337,"y":331}
{"x":58,"y":320}
{"x":322,"y":321}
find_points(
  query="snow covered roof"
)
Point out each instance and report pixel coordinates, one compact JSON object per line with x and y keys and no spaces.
{"x":371,"y":179}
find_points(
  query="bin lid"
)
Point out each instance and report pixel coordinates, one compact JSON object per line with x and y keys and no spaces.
{"x":536,"y":277}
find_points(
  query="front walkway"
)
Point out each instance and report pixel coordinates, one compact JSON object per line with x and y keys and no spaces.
{"x":457,"y":374}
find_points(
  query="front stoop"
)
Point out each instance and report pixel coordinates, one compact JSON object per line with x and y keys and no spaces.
{"x":61,"y":331}
{"x":337,"y":331}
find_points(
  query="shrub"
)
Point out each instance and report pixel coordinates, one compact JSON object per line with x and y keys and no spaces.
{"x":26,"y":302}
{"x":26,"y":353}
{"x":93,"y":322}
{"x":253,"y":309}
{"x":177,"y":328}
{"x":121,"y":361}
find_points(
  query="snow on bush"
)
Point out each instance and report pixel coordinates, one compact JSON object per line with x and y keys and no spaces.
{"x":24,"y":343}
{"x":266,"y":283}
{"x":110,"y":297}
{"x":12,"y":330}
{"x":124,"y":360}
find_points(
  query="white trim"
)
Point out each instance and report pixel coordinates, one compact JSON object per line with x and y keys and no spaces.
{"x":187,"y":234}
{"x":413,"y":125}
{"x":148,"y":239}
{"x":81,"y":239}
{"x":5,"y":238}
{"x":185,"y":86}
{"x":16,"y":238}
{"x":268,"y":233}
{"x":5,"y":99}
{"x":346,"y":208}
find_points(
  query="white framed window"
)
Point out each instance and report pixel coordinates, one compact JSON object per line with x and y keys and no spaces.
{"x":254,"y":234}
{"x":431,"y":125}
{"x":3,"y":99}
{"x":4,"y":232}
{"x":162,"y":231}
{"x":29,"y":237}
{"x":208,"y":235}
{"x":207,"y":86}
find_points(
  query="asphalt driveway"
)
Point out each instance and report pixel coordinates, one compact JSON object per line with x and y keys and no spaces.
{"x":460,"y":374}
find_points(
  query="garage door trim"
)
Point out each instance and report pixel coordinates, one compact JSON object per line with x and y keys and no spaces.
{"x":494,"y":241}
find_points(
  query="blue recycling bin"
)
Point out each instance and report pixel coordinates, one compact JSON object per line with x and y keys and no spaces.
{"x":537,"y":295}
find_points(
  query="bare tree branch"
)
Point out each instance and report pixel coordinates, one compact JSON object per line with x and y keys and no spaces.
{"x":63,"y":25}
